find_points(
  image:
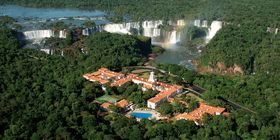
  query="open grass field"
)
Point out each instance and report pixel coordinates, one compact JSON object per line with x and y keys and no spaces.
{"x":106,"y":98}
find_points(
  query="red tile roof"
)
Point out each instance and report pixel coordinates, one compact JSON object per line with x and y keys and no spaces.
{"x":164,"y":85}
{"x":123,"y":103}
{"x":197,"y":114}
{"x":164,"y":94}
{"x":106,"y":105}
{"x":102,"y":75}
{"x":142,"y":80}
{"x":122,"y":81}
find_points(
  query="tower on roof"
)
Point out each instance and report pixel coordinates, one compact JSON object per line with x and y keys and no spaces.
{"x":152,"y":77}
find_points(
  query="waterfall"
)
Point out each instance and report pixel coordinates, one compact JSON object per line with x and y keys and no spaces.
{"x":170,"y":37}
{"x":173,"y":37}
{"x":204,"y":24}
{"x":62,"y":34}
{"x":152,"y":24}
{"x":181,"y":23}
{"x":38,"y":34}
{"x":116,"y":28}
{"x":214,"y":28}
{"x":276,"y":31}
{"x":124,"y":28}
{"x":149,"y":29}
{"x":151,"y":32}
{"x":89,"y":31}
{"x":196,"y":23}
{"x":48,"y":51}
{"x":85,"y":32}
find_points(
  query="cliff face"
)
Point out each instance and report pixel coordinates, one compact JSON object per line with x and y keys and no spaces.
{"x":219,"y":68}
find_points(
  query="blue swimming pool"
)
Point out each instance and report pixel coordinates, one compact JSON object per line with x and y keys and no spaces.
{"x":141,"y":115}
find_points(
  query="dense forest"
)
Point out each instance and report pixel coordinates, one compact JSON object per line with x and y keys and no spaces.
{"x":42,"y":96}
{"x":45,"y":96}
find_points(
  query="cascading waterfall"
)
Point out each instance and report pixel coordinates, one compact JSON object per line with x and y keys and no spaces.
{"x":86,"y":32}
{"x":48,"y":51}
{"x":196,"y":23}
{"x":181,"y":23}
{"x":173,"y":39}
{"x":146,"y":28}
{"x":124,"y":28}
{"x":152,"y":24}
{"x":170,"y":37}
{"x":89,"y":31}
{"x":149,"y":29}
{"x":38,"y":34}
{"x":214,"y":28}
{"x":62,"y":34}
{"x":204,"y":24}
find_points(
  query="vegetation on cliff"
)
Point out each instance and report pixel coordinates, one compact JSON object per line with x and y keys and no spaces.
{"x":249,"y":46}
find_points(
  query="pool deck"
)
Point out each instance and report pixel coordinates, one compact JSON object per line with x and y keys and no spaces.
{"x":155,"y":115}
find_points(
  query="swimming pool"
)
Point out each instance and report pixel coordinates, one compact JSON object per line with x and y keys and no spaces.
{"x":141,"y":115}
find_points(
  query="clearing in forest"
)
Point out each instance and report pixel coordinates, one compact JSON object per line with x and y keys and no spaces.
{"x":106,"y":98}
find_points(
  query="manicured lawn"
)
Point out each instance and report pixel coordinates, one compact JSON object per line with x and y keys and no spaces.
{"x":106,"y":98}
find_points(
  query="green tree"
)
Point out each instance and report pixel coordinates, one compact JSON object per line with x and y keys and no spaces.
{"x":166,"y":108}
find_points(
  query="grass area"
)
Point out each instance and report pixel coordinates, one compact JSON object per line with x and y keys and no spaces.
{"x":106,"y":98}
{"x":195,"y":97}
{"x":140,"y":71}
{"x":145,"y":75}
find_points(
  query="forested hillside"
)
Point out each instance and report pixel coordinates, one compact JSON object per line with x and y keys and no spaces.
{"x":45,"y":97}
{"x":248,"y":45}
{"x":116,"y":51}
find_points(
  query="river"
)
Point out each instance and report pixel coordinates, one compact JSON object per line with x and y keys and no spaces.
{"x":35,"y":18}
{"x":46,"y":13}
{"x":178,"y":54}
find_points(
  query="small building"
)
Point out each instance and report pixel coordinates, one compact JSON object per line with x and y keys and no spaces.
{"x":105,"y":106}
{"x":103,"y":75}
{"x":122,"y":103}
{"x":163,"y":96}
{"x":198,"y":113}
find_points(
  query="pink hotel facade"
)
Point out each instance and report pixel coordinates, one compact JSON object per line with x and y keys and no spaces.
{"x":166,"y":91}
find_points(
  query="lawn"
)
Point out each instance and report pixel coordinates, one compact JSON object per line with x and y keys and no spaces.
{"x":106,"y":98}
{"x":195,"y":96}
